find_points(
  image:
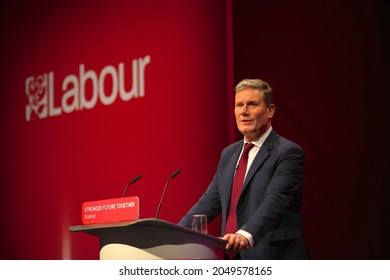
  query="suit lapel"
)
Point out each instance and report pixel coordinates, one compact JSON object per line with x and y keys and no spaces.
{"x":261,"y":156}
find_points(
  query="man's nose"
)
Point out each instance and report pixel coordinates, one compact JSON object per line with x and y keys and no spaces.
{"x":245,"y":110}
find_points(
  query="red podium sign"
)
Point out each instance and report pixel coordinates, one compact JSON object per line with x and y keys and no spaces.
{"x":110,"y":210}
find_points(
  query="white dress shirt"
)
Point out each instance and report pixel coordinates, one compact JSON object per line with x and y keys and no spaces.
{"x":252,"y":154}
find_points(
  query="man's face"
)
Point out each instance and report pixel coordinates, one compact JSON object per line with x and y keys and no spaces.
{"x":253,"y":117}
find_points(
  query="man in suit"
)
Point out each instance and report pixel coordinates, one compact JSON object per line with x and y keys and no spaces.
{"x":261,"y":217}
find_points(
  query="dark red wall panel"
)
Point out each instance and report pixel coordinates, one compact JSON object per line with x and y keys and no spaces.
{"x":328,"y":63}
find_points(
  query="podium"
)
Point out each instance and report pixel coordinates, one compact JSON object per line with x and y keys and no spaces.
{"x":152,"y":239}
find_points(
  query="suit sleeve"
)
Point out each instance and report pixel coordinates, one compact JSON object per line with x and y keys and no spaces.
{"x":209,"y":204}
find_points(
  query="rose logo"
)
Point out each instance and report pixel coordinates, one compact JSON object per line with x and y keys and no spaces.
{"x":36,"y":91}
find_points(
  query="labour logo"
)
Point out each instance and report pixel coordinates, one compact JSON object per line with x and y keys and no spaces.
{"x":75,"y":96}
{"x":36,"y":91}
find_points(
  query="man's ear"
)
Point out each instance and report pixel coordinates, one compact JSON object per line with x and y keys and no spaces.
{"x":271,"y":110}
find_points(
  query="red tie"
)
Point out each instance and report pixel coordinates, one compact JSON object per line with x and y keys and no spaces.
{"x":238,"y":182}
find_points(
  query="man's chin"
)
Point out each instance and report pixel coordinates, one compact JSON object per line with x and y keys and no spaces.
{"x":248,"y":134}
{"x":251,"y":135}
{"x":247,"y":131}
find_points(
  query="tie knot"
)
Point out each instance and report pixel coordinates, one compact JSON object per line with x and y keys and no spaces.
{"x":249,"y":145}
{"x":247,"y":148}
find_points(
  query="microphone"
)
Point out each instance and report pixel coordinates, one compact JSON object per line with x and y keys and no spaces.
{"x":173,"y":175}
{"x":131,"y":182}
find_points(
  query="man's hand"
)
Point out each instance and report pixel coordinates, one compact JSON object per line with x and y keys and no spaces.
{"x":235,"y":242}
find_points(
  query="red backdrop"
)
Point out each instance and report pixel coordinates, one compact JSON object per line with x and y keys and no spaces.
{"x":174,"y":118}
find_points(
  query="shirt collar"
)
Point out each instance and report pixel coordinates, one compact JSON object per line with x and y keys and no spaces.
{"x":259,"y":142}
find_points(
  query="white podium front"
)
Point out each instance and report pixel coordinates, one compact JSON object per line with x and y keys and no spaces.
{"x":152,"y":239}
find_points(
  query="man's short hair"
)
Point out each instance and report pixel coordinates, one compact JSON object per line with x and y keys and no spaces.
{"x":258,"y":84}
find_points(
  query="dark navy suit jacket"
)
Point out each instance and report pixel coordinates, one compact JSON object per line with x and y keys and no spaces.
{"x":270,"y":201}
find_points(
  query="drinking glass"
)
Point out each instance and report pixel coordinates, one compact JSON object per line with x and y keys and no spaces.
{"x":199,"y":223}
